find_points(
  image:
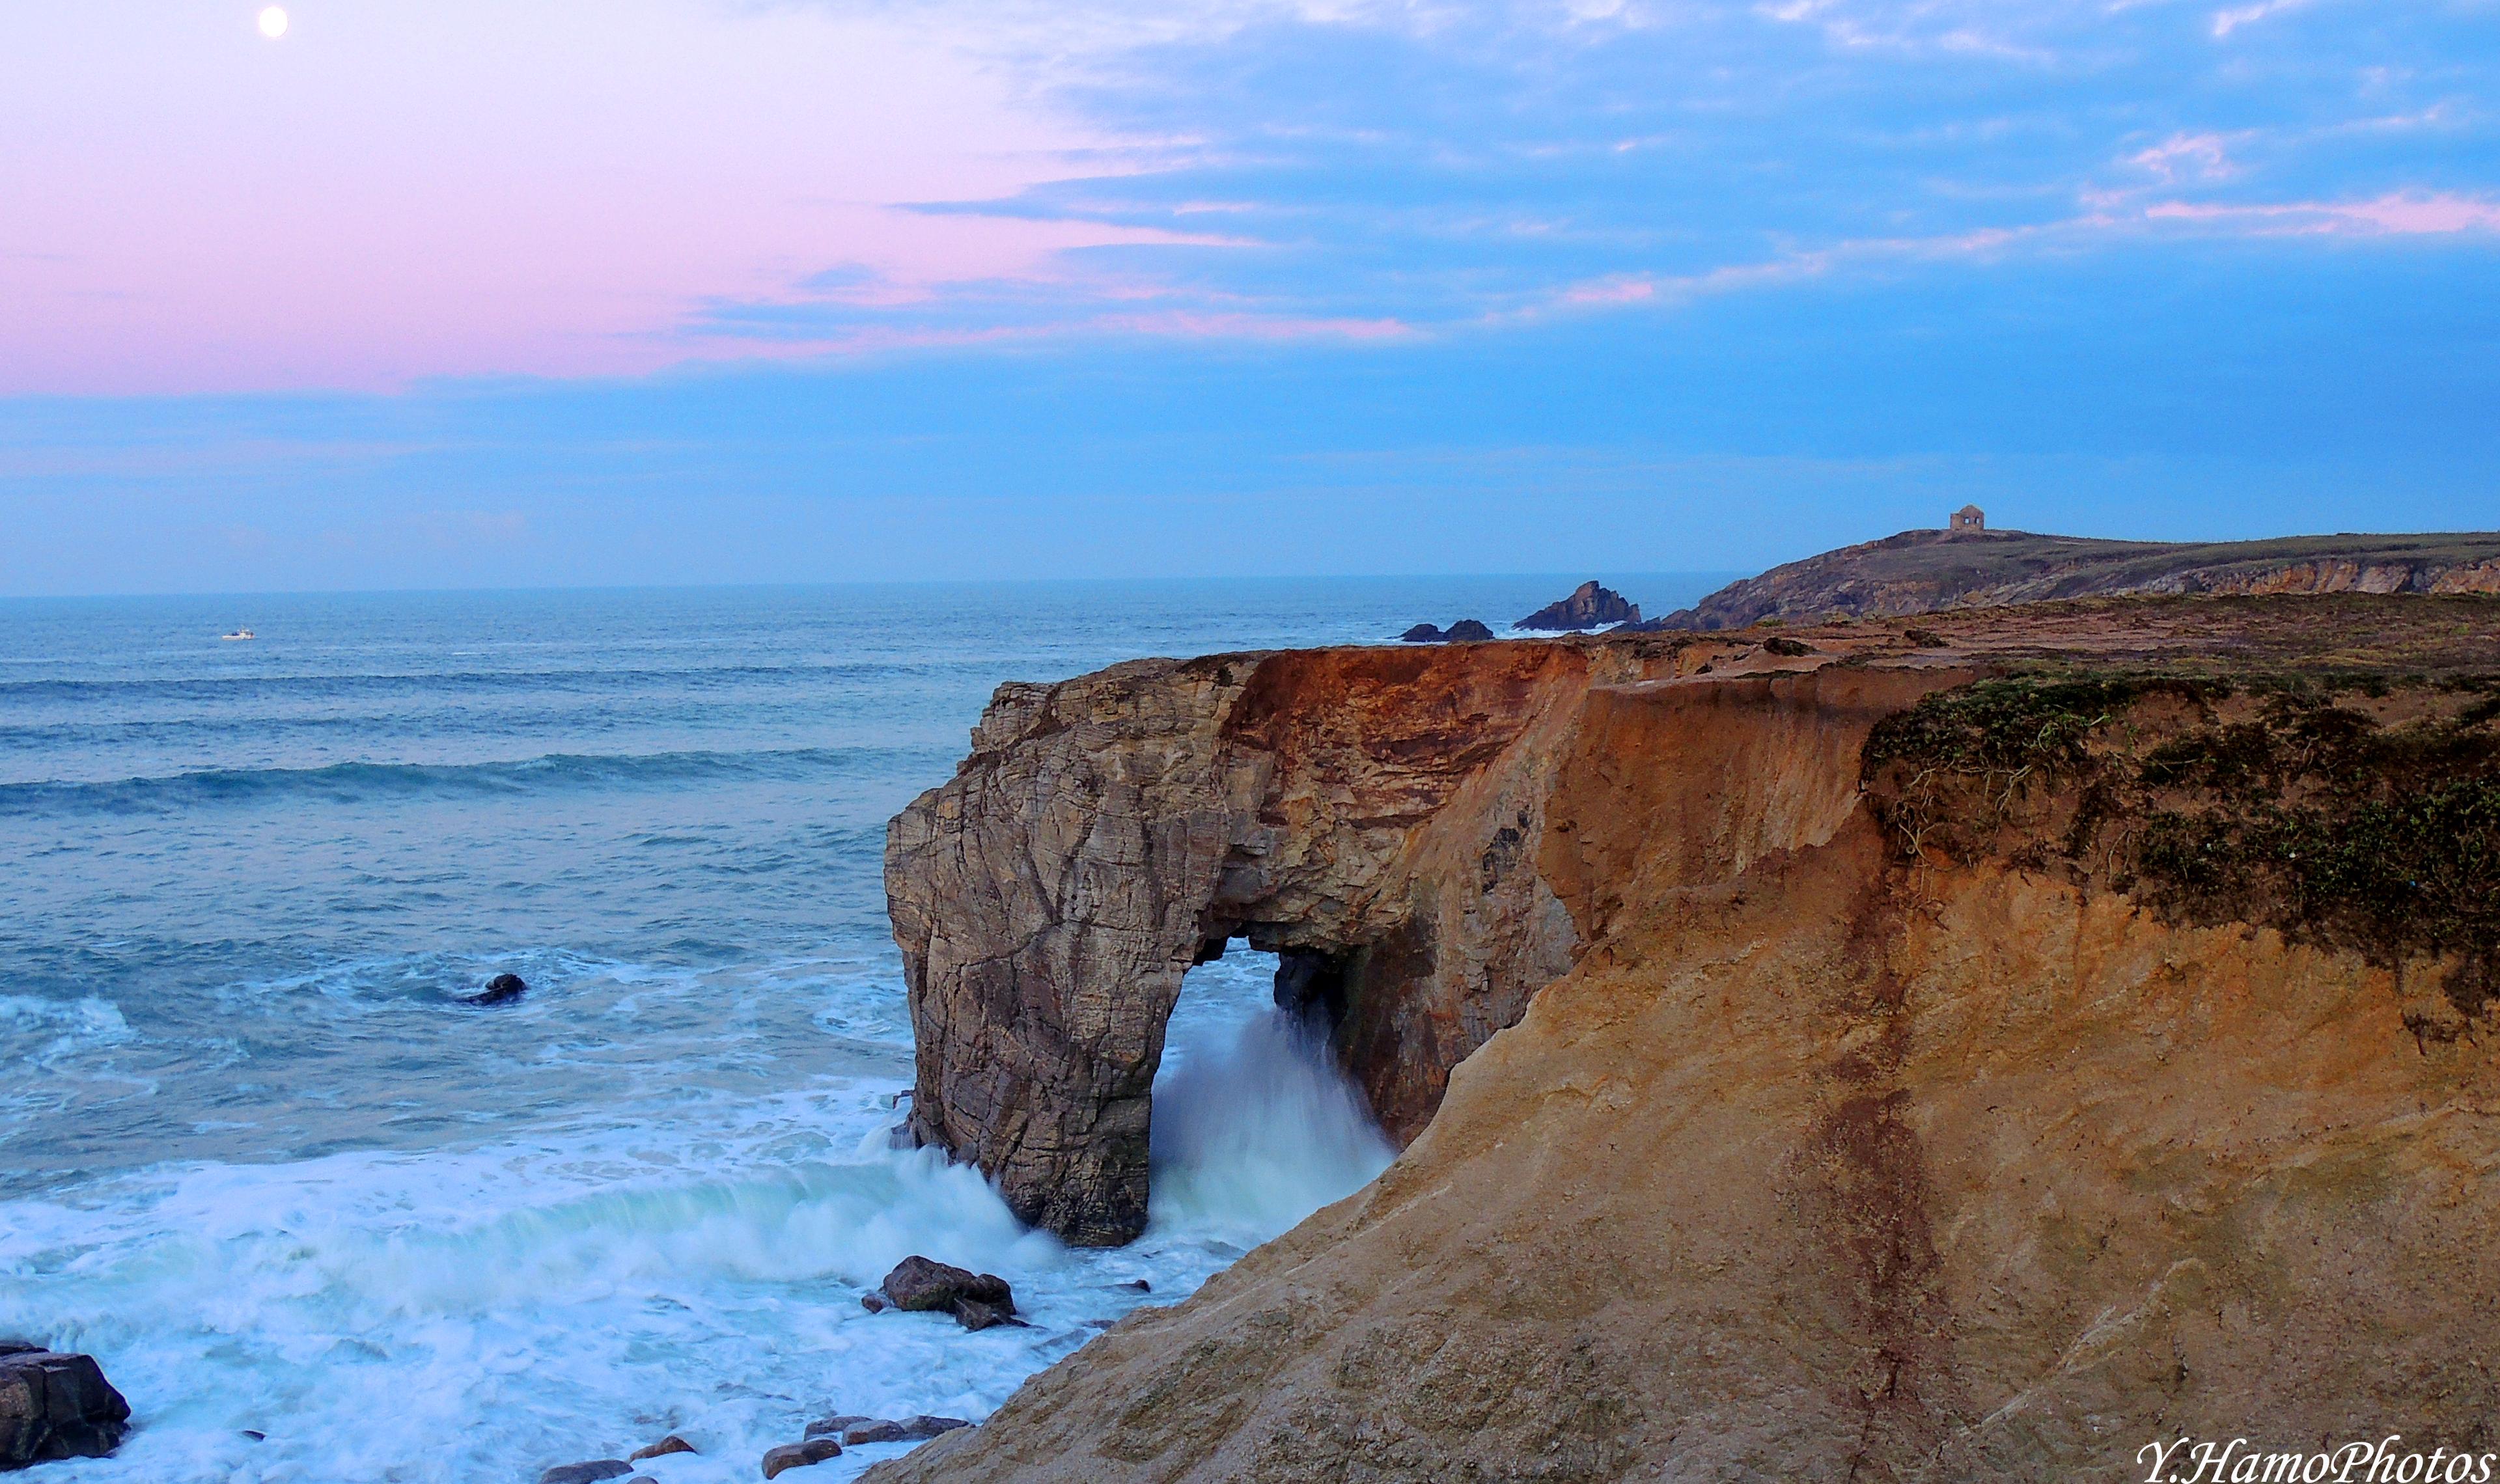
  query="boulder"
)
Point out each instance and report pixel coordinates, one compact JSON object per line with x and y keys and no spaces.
{"x":671,"y":1443}
{"x":1790,"y":649}
{"x":973,"y":1314}
{"x":1589,"y":606}
{"x":1467,"y":631}
{"x":835,"y":1426}
{"x":922,"y":1428}
{"x":874,"y":1304}
{"x":590,"y":1472}
{"x":54,"y":1406}
{"x":977,"y":1300}
{"x":874,"y":1431}
{"x":502,"y":989}
{"x":816,"y":1450}
{"x":1421,"y":633}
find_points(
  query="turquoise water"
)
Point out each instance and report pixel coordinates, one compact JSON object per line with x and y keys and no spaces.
{"x":258,"y":1157}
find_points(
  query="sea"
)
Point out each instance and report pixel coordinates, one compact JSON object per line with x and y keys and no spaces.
{"x":322,"y":1220}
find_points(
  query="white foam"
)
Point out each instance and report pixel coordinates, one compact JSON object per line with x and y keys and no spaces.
{"x":686,"y":1257}
{"x":1253,"y":1133}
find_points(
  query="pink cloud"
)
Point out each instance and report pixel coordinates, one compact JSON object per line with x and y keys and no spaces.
{"x":2398,"y":215}
{"x":2199,"y":157}
{"x":1619,"y":289}
{"x":466,"y":187}
{"x":2225,"y":22}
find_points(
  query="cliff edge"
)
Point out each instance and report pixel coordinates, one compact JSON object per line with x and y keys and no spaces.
{"x":1974,"y":1051}
{"x":1920,"y":571}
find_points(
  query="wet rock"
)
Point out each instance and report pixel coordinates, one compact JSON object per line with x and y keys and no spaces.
{"x":923,"y":1428}
{"x":1589,"y":607}
{"x":671,"y":1443}
{"x":1139,"y":1284}
{"x":1422,"y":633}
{"x":816,"y":1450}
{"x":1467,"y":631}
{"x":502,"y":989}
{"x":590,"y":1472}
{"x":642,"y":1479}
{"x":835,"y":1426}
{"x":54,"y":1406}
{"x":874,"y":1304}
{"x":977,"y":1300}
{"x":973,"y":1314}
{"x":874,"y":1431}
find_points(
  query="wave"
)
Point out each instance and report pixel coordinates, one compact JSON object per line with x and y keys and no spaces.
{"x":368,"y":782}
{"x":694,"y":677}
{"x":1251,"y":1137}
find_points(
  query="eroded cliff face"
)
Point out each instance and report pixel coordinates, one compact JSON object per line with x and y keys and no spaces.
{"x":1372,"y":814}
{"x":1378,"y":817}
{"x":1840,"y":1153}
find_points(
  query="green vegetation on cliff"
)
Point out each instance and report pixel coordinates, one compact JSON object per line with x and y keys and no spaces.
{"x":2362,"y":814}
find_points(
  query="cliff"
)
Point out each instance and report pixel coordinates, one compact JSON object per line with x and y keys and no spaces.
{"x":1971,"y":1053}
{"x":1920,"y":571}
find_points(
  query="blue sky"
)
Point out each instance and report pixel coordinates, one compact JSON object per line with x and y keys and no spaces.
{"x":672,"y":291}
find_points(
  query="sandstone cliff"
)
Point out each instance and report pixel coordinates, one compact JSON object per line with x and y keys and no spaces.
{"x":1969,"y":1054}
{"x":1920,"y":571}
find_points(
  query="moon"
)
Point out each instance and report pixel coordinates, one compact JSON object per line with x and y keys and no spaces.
{"x":273,"y":22}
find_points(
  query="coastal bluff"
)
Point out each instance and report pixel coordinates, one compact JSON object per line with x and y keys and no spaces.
{"x":1976,"y":1049}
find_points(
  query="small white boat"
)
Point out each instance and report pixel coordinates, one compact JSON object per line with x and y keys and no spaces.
{"x":239,"y":634}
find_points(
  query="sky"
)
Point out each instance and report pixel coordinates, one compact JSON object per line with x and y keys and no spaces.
{"x":444,"y":293}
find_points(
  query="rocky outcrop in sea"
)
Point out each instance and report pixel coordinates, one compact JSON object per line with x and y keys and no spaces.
{"x":55,"y":1405}
{"x":1589,"y":607}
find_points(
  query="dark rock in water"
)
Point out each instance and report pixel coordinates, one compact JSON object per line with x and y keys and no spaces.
{"x":816,"y":1450}
{"x":1467,"y":631}
{"x":874,"y":1431}
{"x":874,"y":1304}
{"x":922,"y":1428}
{"x":973,"y":1314}
{"x":255,"y":1434}
{"x":1790,"y":648}
{"x":1589,"y":607}
{"x":502,"y":989}
{"x":591,"y":1472}
{"x":1139,"y":1284}
{"x":54,"y":1406}
{"x":671,"y":1443}
{"x":1421,"y":633}
{"x":835,"y":1426}
{"x":977,"y":1300}
{"x":642,"y":1479}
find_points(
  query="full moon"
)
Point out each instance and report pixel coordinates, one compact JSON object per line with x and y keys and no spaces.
{"x":273,"y":22}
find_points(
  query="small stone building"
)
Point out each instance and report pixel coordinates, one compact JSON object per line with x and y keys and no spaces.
{"x":1970,"y":518}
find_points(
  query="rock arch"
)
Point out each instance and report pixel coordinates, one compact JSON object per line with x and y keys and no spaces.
{"x":1378,"y":817}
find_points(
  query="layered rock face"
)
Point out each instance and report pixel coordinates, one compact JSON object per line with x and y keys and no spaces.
{"x":1914,"y":1107}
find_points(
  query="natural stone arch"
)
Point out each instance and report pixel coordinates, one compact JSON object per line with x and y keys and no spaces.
{"x":1378,"y":817}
